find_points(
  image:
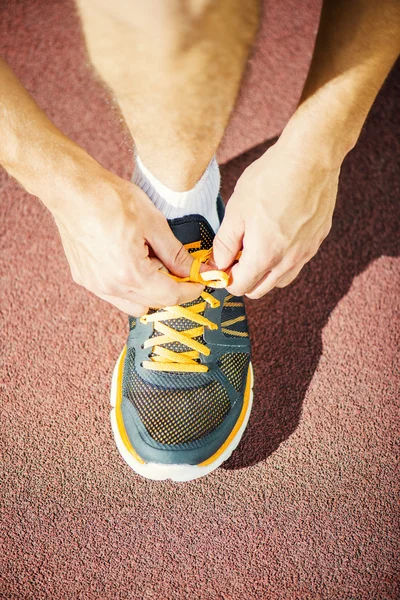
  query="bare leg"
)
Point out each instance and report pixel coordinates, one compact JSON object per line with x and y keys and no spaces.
{"x":175,"y":68}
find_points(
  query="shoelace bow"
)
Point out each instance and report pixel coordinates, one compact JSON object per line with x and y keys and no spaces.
{"x":163,"y":359}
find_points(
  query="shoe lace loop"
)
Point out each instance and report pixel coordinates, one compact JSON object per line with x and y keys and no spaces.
{"x":164,"y":359}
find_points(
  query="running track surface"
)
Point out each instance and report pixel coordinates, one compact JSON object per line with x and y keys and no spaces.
{"x":307,"y":506}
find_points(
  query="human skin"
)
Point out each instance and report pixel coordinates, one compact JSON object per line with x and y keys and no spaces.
{"x":174,"y":68}
{"x":114,"y":238}
{"x":281,"y":210}
{"x":108,"y":226}
{"x":282,"y":206}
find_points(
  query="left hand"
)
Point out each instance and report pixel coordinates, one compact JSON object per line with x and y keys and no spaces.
{"x":279,"y":214}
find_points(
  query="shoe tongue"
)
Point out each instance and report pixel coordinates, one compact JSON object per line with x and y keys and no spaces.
{"x":193,"y":228}
{"x":188,"y":229}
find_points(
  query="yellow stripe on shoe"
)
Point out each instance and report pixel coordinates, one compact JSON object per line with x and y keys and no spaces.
{"x":239,"y":422}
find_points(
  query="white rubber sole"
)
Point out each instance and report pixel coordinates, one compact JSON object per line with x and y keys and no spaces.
{"x":161,"y":472}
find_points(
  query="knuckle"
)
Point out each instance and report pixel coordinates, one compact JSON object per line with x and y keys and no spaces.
{"x":325,"y":231}
{"x":109,"y":288}
{"x":221,"y":244}
{"x":284,"y":281}
{"x":123,"y":274}
{"x":171,"y":298}
{"x":311,"y":253}
{"x":76,"y":278}
{"x":327,"y":228}
{"x":175,"y":299}
{"x":259,"y":266}
{"x":276,"y":256}
{"x":256,"y":295}
{"x":237,"y":290}
{"x":137,"y":311}
{"x":294,"y":260}
{"x":130,"y":276}
{"x":181,"y":255}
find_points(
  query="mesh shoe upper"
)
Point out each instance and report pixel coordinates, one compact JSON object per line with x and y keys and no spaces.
{"x":175,"y":416}
{"x":176,"y":409}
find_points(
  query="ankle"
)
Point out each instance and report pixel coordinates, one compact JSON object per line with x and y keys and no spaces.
{"x":199,"y":199}
{"x":180,"y":171}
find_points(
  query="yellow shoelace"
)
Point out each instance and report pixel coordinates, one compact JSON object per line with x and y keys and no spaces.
{"x":163,"y":359}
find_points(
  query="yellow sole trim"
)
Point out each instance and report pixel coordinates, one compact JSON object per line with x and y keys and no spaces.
{"x":239,"y":422}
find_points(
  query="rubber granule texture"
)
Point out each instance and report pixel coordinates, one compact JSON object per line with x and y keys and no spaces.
{"x":307,"y":506}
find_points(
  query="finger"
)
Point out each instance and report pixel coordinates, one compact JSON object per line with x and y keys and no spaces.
{"x":227,"y":242}
{"x":289,"y":276}
{"x":287,"y":269}
{"x":263,"y":286}
{"x":128,"y":307}
{"x":162,"y":290}
{"x":252,"y":267}
{"x":156,"y":289}
{"x":291,"y":273}
{"x":278,"y":267}
{"x":276,"y":278}
{"x":168,"y":249}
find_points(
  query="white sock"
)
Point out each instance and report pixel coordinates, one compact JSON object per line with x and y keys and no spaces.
{"x":200,"y":200}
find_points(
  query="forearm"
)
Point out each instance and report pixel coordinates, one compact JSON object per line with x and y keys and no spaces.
{"x":32,"y":150}
{"x":357,"y":44}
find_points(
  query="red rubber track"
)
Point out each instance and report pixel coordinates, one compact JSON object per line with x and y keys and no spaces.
{"x":307,"y":507}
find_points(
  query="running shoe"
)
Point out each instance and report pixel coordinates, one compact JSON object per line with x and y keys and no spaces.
{"x":182,"y":387}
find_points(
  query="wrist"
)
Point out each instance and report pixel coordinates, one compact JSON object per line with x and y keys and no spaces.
{"x":326,"y":125}
{"x":52,"y":167}
{"x":324,"y":140}
{"x":67,"y":177}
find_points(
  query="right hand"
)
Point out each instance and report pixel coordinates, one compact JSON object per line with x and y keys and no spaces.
{"x":116,"y":242}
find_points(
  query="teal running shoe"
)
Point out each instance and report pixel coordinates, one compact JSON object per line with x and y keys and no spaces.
{"x":182,"y":387}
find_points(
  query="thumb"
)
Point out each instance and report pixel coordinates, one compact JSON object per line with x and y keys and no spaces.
{"x":170,"y":251}
{"x":227,"y":242}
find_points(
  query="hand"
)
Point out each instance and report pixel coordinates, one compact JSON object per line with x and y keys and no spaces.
{"x":280,"y":213}
{"x":116,"y":241}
